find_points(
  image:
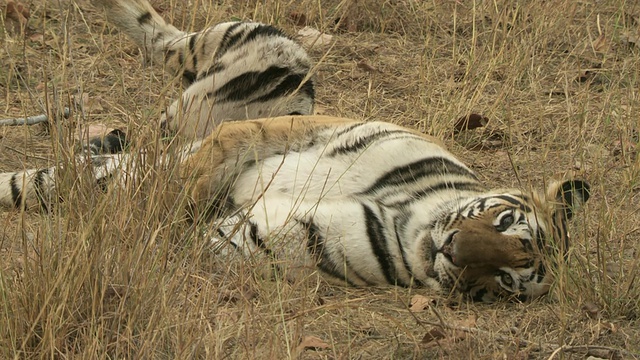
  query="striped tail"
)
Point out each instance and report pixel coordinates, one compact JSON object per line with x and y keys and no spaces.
{"x":27,"y":188}
{"x":140,"y":22}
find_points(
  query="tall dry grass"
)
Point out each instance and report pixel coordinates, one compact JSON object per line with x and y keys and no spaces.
{"x":122,"y":275}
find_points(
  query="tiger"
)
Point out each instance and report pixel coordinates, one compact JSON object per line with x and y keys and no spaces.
{"x":361,"y":204}
{"x":231,"y":71}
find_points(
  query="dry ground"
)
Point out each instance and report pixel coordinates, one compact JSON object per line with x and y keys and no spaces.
{"x":121,"y":276}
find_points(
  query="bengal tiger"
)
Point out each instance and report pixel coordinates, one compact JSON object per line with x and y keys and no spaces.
{"x":230,"y":71}
{"x":361,"y":203}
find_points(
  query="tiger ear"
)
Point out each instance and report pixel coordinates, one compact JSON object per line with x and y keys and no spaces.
{"x":569,"y":195}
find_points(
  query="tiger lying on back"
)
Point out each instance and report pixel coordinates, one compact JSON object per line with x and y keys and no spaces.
{"x":231,"y":71}
{"x":361,"y":203}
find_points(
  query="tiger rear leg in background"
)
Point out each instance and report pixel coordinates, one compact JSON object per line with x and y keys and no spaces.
{"x":231,"y":71}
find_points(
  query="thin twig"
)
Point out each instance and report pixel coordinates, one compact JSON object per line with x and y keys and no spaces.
{"x":31,"y":120}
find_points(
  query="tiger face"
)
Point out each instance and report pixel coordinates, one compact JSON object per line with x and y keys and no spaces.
{"x":500,"y":245}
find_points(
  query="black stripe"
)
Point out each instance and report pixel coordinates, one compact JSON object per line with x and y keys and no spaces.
{"x":263,"y":31}
{"x":16,"y":192}
{"x":181,"y":59}
{"x":228,"y":40}
{"x":315,"y":247}
{"x":362,"y":142}
{"x":375,"y":233}
{"x":399,"y":222}
{"x":510,"y":199}
{"x":213,"y":69}
{"x":253,"y":235}
{"x":37,"y":185}
{"x":144,"y":18}
{"x":540,"y":239}
{"x":448,"y":185}
{"x":243,"y":86}
{"x":188,"y":76}
{"x":402,"y":175}
{"x":350,"y":128}
{"x":103,"y":182}
{"x":287,"y":86}
{"x":157,"y":36}
{"x":192,"y":43}
{"x":308,"y":88}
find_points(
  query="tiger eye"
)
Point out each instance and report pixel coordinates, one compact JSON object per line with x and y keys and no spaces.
{"x":505,"y":222}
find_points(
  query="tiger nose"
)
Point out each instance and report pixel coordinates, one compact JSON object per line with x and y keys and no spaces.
{"x":449,"y":250}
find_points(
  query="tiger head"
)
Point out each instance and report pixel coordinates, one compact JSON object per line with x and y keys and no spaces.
{"x":500,"y":244}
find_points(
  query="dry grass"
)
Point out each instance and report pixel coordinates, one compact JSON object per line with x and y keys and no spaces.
{"x":122,"y":276}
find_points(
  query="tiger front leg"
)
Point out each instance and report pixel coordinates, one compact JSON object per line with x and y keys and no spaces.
{"x":234,"y":147}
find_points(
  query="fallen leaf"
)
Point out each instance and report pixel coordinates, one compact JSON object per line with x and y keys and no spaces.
{"x":362,"y":64}
{"x":420,"y":303}
{"x":346,"y":23}
{"x":37,"y":38}
{"x":469,"y":122}
{"x":591,"y":309}
{"x":298,"y":18}
{"x":601,"y":44}
{"x":434,"y":334}
{"x":310,"y":37}
{"x":436,"y":337}
{"x":630,"y":38}
{"x":17,"y":15}
{"x":312,"y":343}
{"x":233,"y":296}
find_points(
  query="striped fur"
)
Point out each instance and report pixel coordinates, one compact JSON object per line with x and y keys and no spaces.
{"x":231,"y":71}
{"x":362,"y":203}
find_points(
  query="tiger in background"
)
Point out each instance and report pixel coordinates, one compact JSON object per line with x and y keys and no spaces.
{"x":230,"y":71}
{"x":361,"y":203}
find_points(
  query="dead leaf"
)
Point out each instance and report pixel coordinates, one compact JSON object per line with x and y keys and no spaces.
{"x":436,"y":337}
{"x":630,"y":38}
{"x":420,"y":303}
{"x":312,"y":343}
{"x":434,"y":334}
{"x":233,"y":296}
{"x":469,"y":122}
{"x":601,"y":44}
{"x":310,"y":37}
{"x":298,"y":18}
{"x":591,"y":309}
{"x":346,"y":23}
{"x":362,"y":64}
{"x":37,"y":38}
{"x":16,"y":15}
